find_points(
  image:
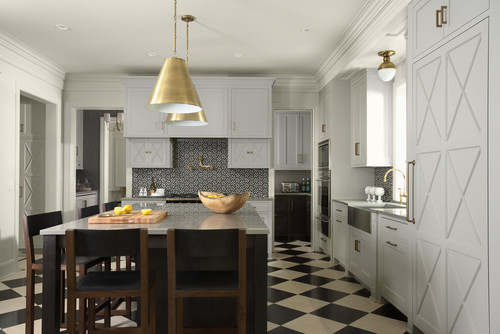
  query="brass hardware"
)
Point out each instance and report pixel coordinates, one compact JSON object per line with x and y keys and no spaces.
{"x":338,"y":220}
{"x":408,"y":163}
{"x":338,"y":210}
{"x":323,"y":128}
{"x":391,"y":228}
{"x":443,"y":21}
{"x":84,"y":203}
{"x":249,"y":152}
{"x":438,"y":25}
{"x":356,"y":148}
{"x":356,"y":245}
{"x":201,"y":166}
{"x":21,"y":127}
{"x":390,"y":243}
{"x":323,"y":239}
{"x":386,"y":70}
{"x":401,"y":195}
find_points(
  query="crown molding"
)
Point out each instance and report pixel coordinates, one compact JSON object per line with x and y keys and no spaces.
{"x":294,"y":84}
{"x":369,"y":23}
{"x":26,"y":59}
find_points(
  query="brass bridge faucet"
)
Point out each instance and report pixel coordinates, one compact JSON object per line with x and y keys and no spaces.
{"x":201,"y":166}
{"x":402,"y":193}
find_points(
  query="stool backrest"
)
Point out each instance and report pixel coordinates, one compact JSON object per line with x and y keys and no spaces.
{"x":110,"y":206}
{"x":34,"y":224}
{"x":88,"y":211}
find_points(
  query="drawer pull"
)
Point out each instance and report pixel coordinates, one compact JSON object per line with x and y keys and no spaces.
{"x":391,"y":228}
{"x":356,"y":246}
{"x":338,"y":210}
{"x":390,"y":243}
{"x":338,"y":220}
{"x":323,"y":239}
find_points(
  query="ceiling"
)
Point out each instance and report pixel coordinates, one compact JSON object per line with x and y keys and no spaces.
{"x":238,"y":37}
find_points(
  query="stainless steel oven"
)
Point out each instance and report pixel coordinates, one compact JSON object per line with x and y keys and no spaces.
{"x":323,"y":188}
{"x":324,"y":154}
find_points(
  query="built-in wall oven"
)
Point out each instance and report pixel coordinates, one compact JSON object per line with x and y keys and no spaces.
{"x":323,"y":187}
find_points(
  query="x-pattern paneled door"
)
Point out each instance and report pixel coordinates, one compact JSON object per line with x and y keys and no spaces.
{"x":450,"y":113}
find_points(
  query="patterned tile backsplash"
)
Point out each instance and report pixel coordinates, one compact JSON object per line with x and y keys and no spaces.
{"x":180,"y":179}
{"x":379,"y":182}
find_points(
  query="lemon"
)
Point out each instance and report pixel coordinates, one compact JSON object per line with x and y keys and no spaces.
{"x":212,"y":196}
{"x":119,"y":210}
{"x":146,"y":211}
{"x":127,"y":208}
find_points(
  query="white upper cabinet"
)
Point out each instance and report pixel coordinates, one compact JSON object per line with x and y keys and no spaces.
{"x":292,"y":140}
{"x":79,"y":139}
{"x":435,"y":19}
{"x":149,"y":153}
{"x":215,"y":103}
{"x":234,"y":107}
{"x":371,"y":120}
{"x":324,"y":111}
{"x":251,"y":113}
{"x":140,"y":122}
{"x":248,"y":153}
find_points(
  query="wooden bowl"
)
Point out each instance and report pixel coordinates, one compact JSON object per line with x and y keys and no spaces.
{"x":219,"y":203}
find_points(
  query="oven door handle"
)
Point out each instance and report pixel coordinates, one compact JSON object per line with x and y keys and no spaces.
{"x":321,"y":219}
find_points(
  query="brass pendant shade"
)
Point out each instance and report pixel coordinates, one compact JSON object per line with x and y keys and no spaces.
{"x":191,"y":119}
{"x":174,"y":92}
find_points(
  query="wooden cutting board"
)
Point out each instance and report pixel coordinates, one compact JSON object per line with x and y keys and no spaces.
{"x":134,"y":217}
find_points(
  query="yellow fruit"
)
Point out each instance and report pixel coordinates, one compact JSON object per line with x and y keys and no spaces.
{"x":119,"y":210}
{"x":212,"y":196}
{"x":146,"y":211}
{"x":127,"y":208}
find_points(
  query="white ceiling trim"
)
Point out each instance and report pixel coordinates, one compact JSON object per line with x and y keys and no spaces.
{"x":26,"y":59}
{"x":366,"y":26}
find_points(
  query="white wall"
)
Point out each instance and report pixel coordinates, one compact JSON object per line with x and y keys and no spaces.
{"x":84,"y":92}
{"x":24,"y":71}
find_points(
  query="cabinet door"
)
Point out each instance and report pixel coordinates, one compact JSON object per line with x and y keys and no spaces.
{"x":138,"y":152}
{"x":150,"y":153}
{"x":140,"y":122}
{"x":300,"y":225}
{"x":424,"y":24}
{"x":353,"y":251}
{"x":79,"y":139}
{"x":215,"y":106}
{"x":450,"y":132}
{"x":358,"y":122}
{"x":325,"y":108}
{"x":248,"y":153}
{"x":281,"y":226}
{"x":394,"y":268}
{"x":340,"y":239}
{"x":461,"y":12}
{"x":279,"y":141}
{"x":291,"y":122}
{"x":251,"y":113}
{"x":305,"y":142}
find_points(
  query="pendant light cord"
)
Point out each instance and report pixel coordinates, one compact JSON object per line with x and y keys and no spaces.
{"x":187,"y":43}
{"x":175,"y":28}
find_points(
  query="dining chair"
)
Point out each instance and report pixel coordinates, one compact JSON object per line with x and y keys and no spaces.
{"x":190,"y":274}
{"x":110,"y":206}
{"x":88,"y":211}
{"x":32,"y":226}
{"x":139,"y":283}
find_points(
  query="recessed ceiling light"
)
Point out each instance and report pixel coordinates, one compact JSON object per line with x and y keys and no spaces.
{"x":151,"y":54}
{"x":306,"y":30}
{"x":238,"y":55}
{"x":62,"y":27}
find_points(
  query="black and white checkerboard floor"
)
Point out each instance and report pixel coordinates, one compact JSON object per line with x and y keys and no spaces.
{"x":306,"y":294}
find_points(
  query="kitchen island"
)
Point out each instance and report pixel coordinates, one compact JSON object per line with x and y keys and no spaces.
{"x":180,"y":216}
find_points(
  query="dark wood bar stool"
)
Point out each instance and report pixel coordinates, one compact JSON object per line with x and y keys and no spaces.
{"x":32,"y":226}
{"x":110,"y":206}
{"x":111,"y":284}
{"x":88,"y":211}
{"x":190,"y":254}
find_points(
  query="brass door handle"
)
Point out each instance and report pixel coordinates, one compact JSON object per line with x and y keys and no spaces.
{"x":356,"y":148}
{"x":391,"y":244}
{"x":440,"y":19}
{"x":408,"y":163}
{"x":356,"y":246}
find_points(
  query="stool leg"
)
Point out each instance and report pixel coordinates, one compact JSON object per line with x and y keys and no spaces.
{"x":30,"y":301}
{"x":81,"y":306}
{"x":180,"y":315}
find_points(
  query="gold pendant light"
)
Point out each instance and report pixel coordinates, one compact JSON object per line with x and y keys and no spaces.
{"x":187,"y":119}
{"x":174,"y":91}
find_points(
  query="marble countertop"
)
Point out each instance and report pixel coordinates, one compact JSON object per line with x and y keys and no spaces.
{"x":396,"y":210}
{"x":181,"y":216}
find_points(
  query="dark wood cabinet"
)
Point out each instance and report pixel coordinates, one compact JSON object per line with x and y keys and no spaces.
{"x":292,"y":220}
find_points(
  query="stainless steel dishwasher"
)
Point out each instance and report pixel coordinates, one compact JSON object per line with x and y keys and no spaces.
{"x":359,"y":218}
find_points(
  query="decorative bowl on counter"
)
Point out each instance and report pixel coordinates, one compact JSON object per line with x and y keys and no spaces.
{"x":220,"y":203}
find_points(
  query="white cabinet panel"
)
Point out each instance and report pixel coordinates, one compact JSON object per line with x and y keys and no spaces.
{"x":248,"y":153}
{"x":371,"y":120}
{"x":265,"y":211}
{"x":449,"y":110}
{"x":292,"y":140}
{"x":86,"y":199}
{"x":251,"y":113}
{"x":325,"y":110}
{"x":79,"y":139}
{"x":215,"y":102}
{"x":361,"y":256}
{"x":140,"y":122}
{"x":149,"y":153}
{"x":340,"y":237}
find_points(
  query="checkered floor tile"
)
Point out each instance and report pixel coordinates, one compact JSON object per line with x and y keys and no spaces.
{"x":306,"y":294}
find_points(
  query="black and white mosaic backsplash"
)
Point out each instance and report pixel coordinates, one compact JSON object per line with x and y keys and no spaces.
{"x":180,"y":179}
{"x":379,"y":173}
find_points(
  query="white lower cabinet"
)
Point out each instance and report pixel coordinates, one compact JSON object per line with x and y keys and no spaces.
{"x":340,"y":233}
{"x":361,"y":257}
{"x":149,"y":152}
{"x":248,"y":153}
{"x":265,"y":211}
{"x":86,"y":199}
{"x":394,"y":262}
